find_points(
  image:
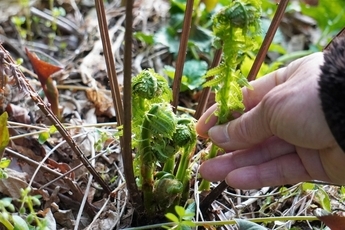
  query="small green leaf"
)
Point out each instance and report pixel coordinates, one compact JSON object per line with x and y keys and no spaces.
{"x":172,"y":217}
{"x":30,"y":218}
{"x":18,"y":21}
{"x":3,"y":174}
{"x":43,"y":137}
{"x":4,"y":163}
{"x":342,"y":192}
{"x":36,"y":200}
{"x":193,"y":74}
{"x":324,"y":199}
{"x":210,"y":4}
{"x":4,"y":134}
{"x":19,"y":223}
{"x":180,"y":210}
{"x":146,"y":38}
{"x":194,"y":71}
{"x":308,"y":186}
{"x":284,"y":191}
{"x":52,"y":129}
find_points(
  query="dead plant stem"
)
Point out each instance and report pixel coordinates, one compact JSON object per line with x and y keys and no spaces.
{"x":126,"y":144}
{"x":181,"y":56}
{"x":268,"y":40}
{"x":109,"y":60}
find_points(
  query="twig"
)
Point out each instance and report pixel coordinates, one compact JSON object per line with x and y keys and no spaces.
{"x":25,"y":87}
{"x":181,"y":56}
{"x":214,"y":194}
{"x":109,"y":60}
{"x":268,"y":39}
{"x":126,"y":144}
{"x":68,"y":172}
{"x":32,"y":162}
{"x":86,"y":191}
{"x":120,"y":111}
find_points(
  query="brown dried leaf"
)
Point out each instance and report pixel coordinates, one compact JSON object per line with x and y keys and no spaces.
{"x":44,"y":71}
{"x":18,"y":113}
{"x":65,"y":218}
{"x":60,"y":167}
{"x":103,"y":103}
{"x":5,"y":98}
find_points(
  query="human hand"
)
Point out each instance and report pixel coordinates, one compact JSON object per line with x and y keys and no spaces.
{"x":282,"y":138}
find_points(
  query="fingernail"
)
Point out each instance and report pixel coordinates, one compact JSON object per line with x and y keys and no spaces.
{"x":219,"y":134}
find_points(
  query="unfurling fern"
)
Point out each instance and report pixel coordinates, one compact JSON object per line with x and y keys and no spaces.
{"x":159,"y":135}
{"x":237,"y":29}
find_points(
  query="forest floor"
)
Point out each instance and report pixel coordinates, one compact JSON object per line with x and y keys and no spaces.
{"x":70,"y":39}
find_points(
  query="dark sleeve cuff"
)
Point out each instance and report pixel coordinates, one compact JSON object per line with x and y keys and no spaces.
{"x":332,"y":89}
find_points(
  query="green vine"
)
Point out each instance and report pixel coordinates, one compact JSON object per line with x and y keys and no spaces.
{"x":237,"y":29}
{"x":160,"y":136}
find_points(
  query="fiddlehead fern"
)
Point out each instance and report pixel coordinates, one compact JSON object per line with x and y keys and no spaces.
{"x":159,"y":135}
{"x":237,"y":29}
{"x":150,"y":85}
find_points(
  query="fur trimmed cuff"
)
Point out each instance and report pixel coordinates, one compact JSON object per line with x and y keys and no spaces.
{"x":332,"y":89}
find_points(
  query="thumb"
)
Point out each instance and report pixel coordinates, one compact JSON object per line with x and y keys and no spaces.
{"x":249,"y":129}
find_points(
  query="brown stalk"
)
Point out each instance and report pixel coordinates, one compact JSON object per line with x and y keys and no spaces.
{"x":127,"y":103}
{"x":207,"y":201}
{"x":181,"y":56}
{"x":109,"y":60}
{"x":268,"y":39}
{"x":114,"y":86}
{"x":25,"y":86}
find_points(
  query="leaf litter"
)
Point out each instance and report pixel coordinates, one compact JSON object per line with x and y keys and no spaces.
{"x":71,"y":198}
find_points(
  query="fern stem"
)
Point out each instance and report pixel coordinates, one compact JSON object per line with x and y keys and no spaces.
{"x":147,"y":166}
{"x":169,"y":165}
{"x":182,"y":171}
{"x":205,"y":185}
{"x":183,"y":174}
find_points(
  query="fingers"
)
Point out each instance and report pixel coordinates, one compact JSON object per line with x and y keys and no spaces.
{"x":251,"y":128}
{"x":250,"y":99}
{"x":287,"y":169}
{"x":217,"y":168}
{"x":291,"y":168}
{"x":207,"y":120}
{"x":274,"y":162}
